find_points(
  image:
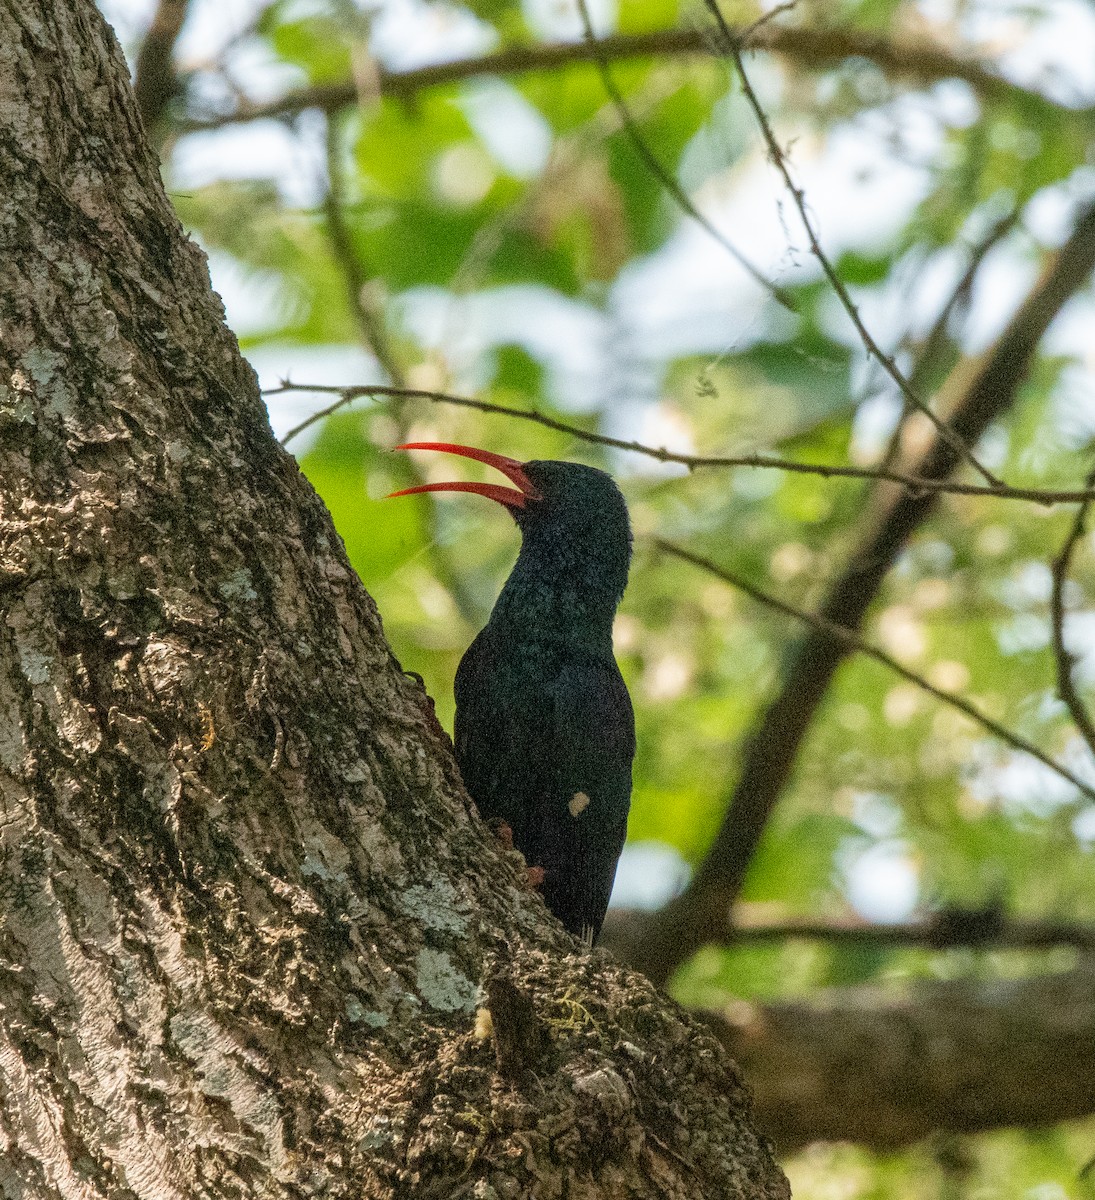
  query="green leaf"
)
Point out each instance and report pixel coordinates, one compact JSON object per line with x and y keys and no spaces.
{"x":317,"y":44}
{"x":640,"y":16}
{"x":516,"y":370}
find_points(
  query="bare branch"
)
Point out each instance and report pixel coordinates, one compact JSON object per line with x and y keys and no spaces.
{"x":982,"y":390}
{"x":668,"y":182}
{"x":960,"y":294}
{"x":1066,"y":685}
{"x":914,"y":60}
{"x":854,"y":642}
{"x":918,"y":485}
{"x":155,"y":82}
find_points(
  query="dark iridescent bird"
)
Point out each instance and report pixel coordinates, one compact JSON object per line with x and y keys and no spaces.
{"x":545,"y":733}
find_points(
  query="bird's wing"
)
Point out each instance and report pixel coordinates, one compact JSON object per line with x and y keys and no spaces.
{"x":492,"y":734}
{"x":585,"y":818}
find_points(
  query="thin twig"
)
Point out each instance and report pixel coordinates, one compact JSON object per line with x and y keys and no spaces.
{"x":1066,"y":684}
{"x":960,"y":294}
{"x":914,"y":483}
{"x":854,"y":642}
{"x":369,"y":320}
{"x":672,"y":187}
{"x":731,"y":45}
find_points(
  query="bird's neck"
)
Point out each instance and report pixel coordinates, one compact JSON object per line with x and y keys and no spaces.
{"x":558,"y":596}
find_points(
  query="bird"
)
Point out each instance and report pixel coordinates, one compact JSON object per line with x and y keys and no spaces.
{"x":544,"y":732}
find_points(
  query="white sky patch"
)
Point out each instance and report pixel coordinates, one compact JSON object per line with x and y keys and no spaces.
{"x":129,"y":19}
{"x":561,"y":20}
{"x":1080,"y":640}
{"x":691,"y":296}
{"x":1002,"y":283}
{"x":664,"y":426}
{"x":1084,"y":826}
{"x":1025,"y":785}
{"x":1051,"y":212}
{"x":410,"y":33}
{"x":650,"y":874}
{"x":254,"y":301}
{"x":883,"y":882}
{"x":1030,"y":584}
{"x":512,"y":129}
{"x":1055,"y":54}
{"x":211,"y":24}
{"x":876,"y":814}
{"x":259,"y":150}
{"x":874,"y":421}
{"x":249,"y":66}
{"x":562,"y":334}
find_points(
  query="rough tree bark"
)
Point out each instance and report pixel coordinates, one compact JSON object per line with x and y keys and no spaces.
{"x":246,"y":904}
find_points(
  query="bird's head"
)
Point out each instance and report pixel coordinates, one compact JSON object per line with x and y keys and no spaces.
{"x":573,"y":519}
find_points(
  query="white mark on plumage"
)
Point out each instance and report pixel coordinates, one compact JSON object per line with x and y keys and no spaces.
{"x":579,"y":802}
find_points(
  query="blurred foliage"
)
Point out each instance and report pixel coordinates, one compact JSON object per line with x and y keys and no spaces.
{"x":519,"y":249}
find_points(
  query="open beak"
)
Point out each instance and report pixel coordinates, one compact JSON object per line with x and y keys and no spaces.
{"x":516,"y":497}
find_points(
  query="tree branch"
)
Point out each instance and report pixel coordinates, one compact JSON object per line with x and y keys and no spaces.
{"x":936,"y":340}
{"x":947,"y":929}
{"x":914,"y":483}
{"x":959,"y":298}
{"x":909,"y":59}
{"x":981,"y":391}
{"x":883,"y":1070}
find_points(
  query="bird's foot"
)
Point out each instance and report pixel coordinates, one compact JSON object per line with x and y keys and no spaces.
{"x":503,"y":831}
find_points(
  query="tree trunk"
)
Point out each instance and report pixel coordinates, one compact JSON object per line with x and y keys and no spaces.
{"x":246,"y":903}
